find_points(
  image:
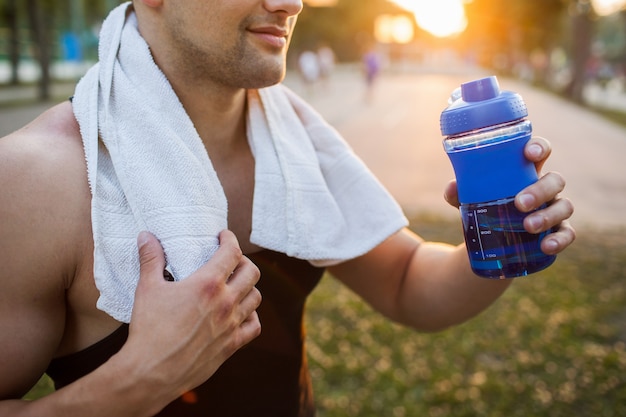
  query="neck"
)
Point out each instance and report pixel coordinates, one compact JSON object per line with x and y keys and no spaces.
{"x":216,"y":110}
{"x":218,"y":116}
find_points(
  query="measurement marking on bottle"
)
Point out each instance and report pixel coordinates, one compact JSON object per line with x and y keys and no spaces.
{"x":480,"y":242}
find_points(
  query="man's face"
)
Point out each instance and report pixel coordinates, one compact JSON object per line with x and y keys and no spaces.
{"x":237,"y":43}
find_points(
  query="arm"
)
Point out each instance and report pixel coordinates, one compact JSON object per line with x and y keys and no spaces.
{"x":209,"y":316}
{"x":180,"y":331}
{"x":430,"y":286}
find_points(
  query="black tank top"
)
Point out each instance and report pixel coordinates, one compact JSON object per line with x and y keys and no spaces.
{"x":268,"y":377}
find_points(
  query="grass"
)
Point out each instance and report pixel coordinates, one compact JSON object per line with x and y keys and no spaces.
{"x":553,"y":345}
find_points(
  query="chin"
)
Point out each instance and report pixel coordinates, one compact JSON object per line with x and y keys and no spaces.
{"x":267,"y":78}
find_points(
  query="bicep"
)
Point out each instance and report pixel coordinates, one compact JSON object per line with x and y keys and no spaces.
{"x":29,"y":336}
{"x":378,"y":276}
{"x":32,"y":318}
{"x":32,"y":290}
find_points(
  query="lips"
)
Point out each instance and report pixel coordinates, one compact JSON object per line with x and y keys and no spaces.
{"x":271,"y":30}
{"x":273,"y":35}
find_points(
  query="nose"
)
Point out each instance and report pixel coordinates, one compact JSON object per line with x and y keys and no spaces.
{"x":290,"y":7}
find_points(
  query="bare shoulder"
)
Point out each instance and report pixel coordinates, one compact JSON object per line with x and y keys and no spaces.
{"x":42,"y":170}
{"x":52,"y":135}
{"x":44,"y":210}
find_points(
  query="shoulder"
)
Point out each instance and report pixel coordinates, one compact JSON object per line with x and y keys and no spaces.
{"x":45,"y":154}
{"x":43,"y":178}
{"x":52,"y":135}
{"x":44,"y":233}
{"x":51,"y":140}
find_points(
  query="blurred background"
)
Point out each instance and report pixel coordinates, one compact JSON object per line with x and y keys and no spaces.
{"x":573,"y":47}
{"x":564,"y":45}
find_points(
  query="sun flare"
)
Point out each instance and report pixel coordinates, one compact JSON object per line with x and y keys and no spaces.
{"x":442,"y":18}
{"x":606,"y":7}
{"x":398,"y":29}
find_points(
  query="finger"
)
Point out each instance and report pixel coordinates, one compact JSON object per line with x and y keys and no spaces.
{"x":559,"y":240}
{"x":249,"y":304}
{"x":224,"y":261}
{"x":244,"y":277}
{"x":151,"y":257}
{"x":250,"y":328}
{"x":538,"y":150}
{"x":541,"y":192}
{"x":249,"y":323}
{"x":559,"y":210}
{"x":251,"y":318}
{"x":451,"y":195}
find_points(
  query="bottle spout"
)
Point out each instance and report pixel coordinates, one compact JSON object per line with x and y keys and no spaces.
{"x":455,"y":95}
{"x":480,"y":90}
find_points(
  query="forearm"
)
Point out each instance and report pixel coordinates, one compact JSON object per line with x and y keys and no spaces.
{"x":114,"y":389}
{"x":439,"y":289}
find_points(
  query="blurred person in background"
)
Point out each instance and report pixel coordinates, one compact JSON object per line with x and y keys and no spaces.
{"x":310,"y":70}
{"x":372,"y":65}
{"x":326,"y":58}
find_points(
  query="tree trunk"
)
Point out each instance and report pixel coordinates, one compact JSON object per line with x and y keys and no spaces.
{"x":10,"y":14}
{"x":42,"y":45}
{"x":582,"y":27}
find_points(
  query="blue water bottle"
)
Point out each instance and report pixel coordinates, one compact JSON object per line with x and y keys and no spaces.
{"x":485,"y":132}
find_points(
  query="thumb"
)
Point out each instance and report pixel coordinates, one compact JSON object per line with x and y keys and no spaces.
{"x":151,"y":257}
{"x":451,"y":194}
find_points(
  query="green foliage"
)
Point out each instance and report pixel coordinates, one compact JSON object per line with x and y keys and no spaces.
{"x":553,"y":345}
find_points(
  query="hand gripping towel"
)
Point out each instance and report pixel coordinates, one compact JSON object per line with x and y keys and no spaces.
{"x":147,"y":168}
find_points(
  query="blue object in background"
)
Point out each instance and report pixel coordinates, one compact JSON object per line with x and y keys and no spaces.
{"x":72,"y":47}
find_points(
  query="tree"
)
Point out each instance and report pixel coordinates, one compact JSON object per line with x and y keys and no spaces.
{"x":9,"y":12}
{"x":511,"y":31}
{"x":505,"y":34}
{"x":41,"y":43}
{"x":582,"y":34}
{"x":45,"y":19}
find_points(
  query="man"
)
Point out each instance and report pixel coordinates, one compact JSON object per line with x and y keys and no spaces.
{"x":66,"y":225}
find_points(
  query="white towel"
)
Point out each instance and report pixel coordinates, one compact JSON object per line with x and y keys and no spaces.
{"x":148,"y":170}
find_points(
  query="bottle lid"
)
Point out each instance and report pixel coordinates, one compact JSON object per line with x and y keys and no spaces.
{"x":480,"y":104}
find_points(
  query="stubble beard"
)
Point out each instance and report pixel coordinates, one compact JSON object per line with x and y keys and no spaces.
{"x":240,"y":66}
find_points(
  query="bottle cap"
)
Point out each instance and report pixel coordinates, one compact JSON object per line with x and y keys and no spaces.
{"x":481,"y":104}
